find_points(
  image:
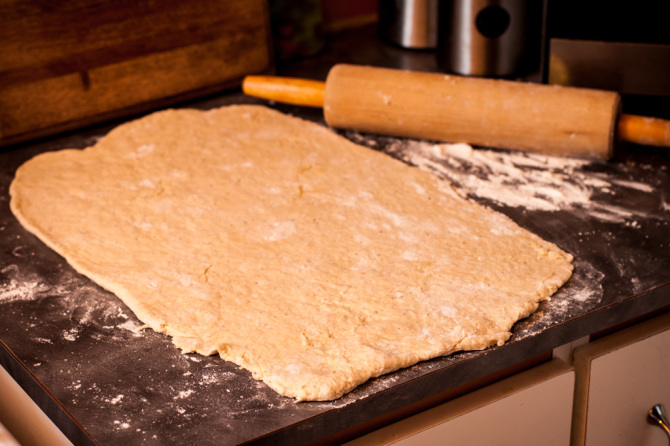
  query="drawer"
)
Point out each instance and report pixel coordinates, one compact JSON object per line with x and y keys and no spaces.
{"x":530,"y":408}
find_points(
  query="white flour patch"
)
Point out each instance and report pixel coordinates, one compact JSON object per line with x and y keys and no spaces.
{"x":131,"y":325}
{"x":208,"y":379}
{"x":184,"y":394}
{"x":142,"y":151}
{"x":121,"y":424}
{"x":516,"y":179}
{"x":71,"y":334}
{"x":16,"y":287}
{"x":280,"y":230}
{"x":16,"y":291}
{"x":147,"y":183}
{"x":634,"y":185}
{"x":116,"y":400}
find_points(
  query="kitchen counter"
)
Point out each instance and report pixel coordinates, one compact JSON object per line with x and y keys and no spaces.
{"x":76,"y":350}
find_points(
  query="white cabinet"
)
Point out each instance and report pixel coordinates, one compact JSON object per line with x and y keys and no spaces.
{"x":530,"y":408}
{"x":619,"y":378}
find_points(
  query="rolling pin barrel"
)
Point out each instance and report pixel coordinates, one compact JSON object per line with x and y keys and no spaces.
{"x":548,"y":119}
{"x":494,"y":113}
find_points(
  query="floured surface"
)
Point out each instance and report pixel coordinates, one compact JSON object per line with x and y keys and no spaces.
{"x":534,"y":182}
{"x":310,"y":261}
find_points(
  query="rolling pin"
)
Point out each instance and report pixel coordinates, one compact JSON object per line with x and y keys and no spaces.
{"x":548,"y":119}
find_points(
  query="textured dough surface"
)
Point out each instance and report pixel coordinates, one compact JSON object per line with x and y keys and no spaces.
{"x":310,"y":261}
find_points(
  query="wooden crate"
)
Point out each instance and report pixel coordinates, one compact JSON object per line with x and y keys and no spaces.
{"x":66,"y":64}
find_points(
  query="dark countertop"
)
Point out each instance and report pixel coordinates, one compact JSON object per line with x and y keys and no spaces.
{"x":72,"y":345}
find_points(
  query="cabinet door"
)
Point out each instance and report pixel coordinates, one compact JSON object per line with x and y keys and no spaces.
{"x":619,"y":378}
{"x":533,"y":407}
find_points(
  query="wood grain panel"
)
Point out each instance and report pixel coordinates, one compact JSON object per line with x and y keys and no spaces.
{"x":71,"y":63}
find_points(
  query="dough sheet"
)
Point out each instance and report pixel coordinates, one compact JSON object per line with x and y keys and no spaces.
{"x":313,"y":262}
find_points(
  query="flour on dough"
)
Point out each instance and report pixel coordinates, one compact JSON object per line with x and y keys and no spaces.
{"x":313,"y":262}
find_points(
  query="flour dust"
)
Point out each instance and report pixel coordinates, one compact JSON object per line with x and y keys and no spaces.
{"x":517,"y":179}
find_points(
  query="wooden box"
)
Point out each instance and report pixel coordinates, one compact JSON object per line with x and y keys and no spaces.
{"x":66,"y":64}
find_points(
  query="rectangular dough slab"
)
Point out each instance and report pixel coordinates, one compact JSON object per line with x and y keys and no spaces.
{"x":311,"y":261}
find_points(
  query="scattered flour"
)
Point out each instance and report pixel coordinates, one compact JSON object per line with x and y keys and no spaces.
{"x":16,"y":287}
{"x":15,"y":291}
{"x":131,"y":325}
{"x":71,"y":334}
{"x":121,"y":424}
{"x":184,"y":394}
{"x":517,"y":179}
{"x":584,"y":293}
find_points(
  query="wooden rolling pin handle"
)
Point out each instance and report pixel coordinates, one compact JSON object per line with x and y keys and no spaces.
{"x":286,"y":90}
{"x":644,"y":130}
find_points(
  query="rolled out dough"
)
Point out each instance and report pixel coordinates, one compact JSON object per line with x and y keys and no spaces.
{"x":310,"y":261}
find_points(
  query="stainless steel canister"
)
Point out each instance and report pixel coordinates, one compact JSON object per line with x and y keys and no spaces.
{"x":409,"y":23}
{"x":492,"y":38}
